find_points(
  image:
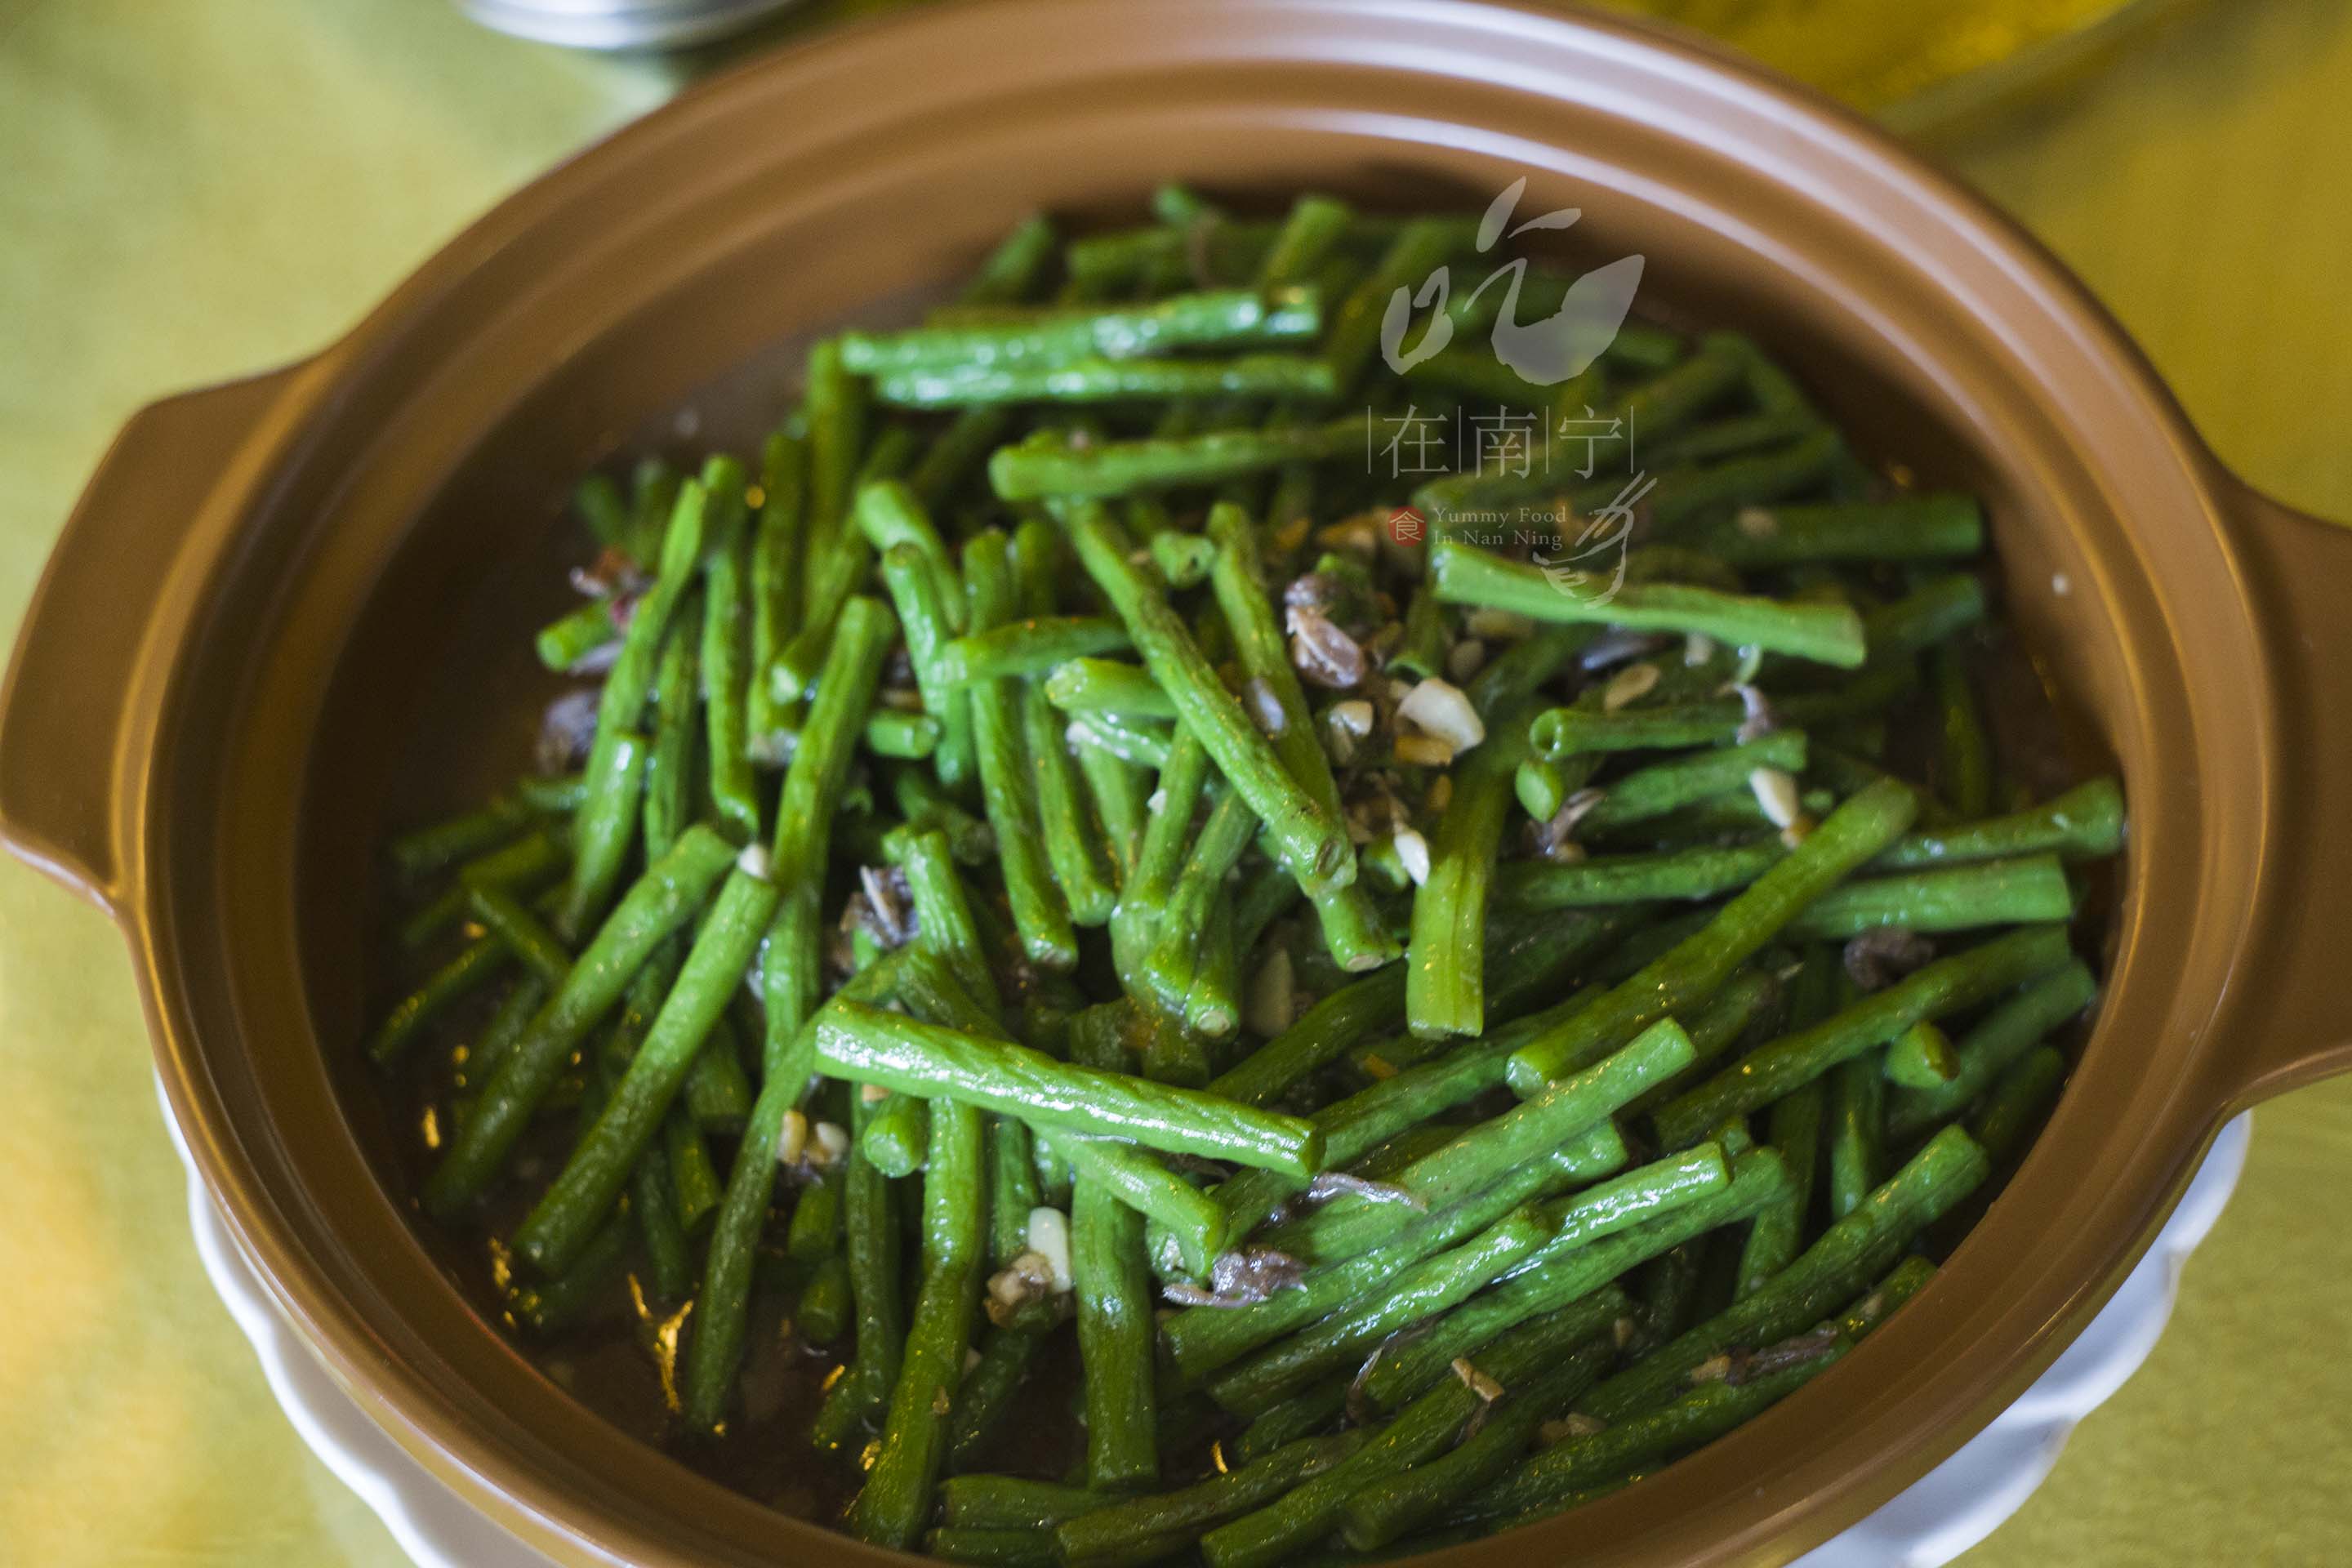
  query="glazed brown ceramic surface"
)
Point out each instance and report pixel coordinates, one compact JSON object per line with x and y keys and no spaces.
{"x":212,"y":763}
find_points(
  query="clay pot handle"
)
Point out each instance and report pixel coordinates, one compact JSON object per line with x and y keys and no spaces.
{"x":73,"y":685}
{"x":2297,"y":995}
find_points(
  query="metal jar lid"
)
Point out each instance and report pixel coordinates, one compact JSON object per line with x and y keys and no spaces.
{"x":622,"y":24}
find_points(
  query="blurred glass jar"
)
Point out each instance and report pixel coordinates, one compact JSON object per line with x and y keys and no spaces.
{"x":1920,"y":64}
{"x":623,"y":24}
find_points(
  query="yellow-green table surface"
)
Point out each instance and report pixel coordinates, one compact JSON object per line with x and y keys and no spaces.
{"x":192,"y":189}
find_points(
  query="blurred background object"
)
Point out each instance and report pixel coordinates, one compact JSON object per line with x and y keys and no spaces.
{"x":623,"y":24}
{"x":1922,"y":64}
{"x":1923,"y":67}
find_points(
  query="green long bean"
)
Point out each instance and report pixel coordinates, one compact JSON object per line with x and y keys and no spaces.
{"x":1081,"y":381}
{"x":1569,"y":1105}
{"x":1991,"y":1047}
{"x":1726,"y":919}
{"x":1348,"y":1017}
{"x":1041,"y":911}
{"x":1014,"y":1503}
{"x":722,"y":1311}
{"x":2084,"y":823}
{"x":1121,"y":797}
{"x":1837,"y":1268}
{"x":897,"y":1139}
{"x":499,"y":1035}
{"x":1114,"y":1309}
{"x":1149,"y":1528}
{"x":653,"y":1202}
{"x":1354,"y":1126}
{"x":1654,"y":409}
{"x":1691,"y":970}
{"x":1179,"y":963}
{"x":1559,"y":1478}
{"x":551,"y":1236}
{"x":1432,"y":1423}
{"x":861,"y":1398}
{"x":1989,"y":893}
{"x":2018,"y":1103}
{"x":551,"y":1306}
{"x":1666,"y":786}
{"x":983,"y":1401}
{"x":992,"y":1547}
{"x":1202,"y":1340}
{"x":474,"y":967}
{"x":1350,"y":930}
{"x":1553,"y":1283}
{"x":1445,"y":965}
{"x":663,"y":900}
{"x":1401,"y":1504}
{"x":1778,"y":1235}
{"x":1913,"y":528}
{"x":525,"y":866}
{"x":1316,"y":1411}
{"x":835,"y":404}
{"x":1964,"y":751}
{"x":894,"y":1504}
{"x":1439,"y":1282}
{"x":1033,"y":646}
{"x":924,"y":617}
{"x":866,"y":1044}
{"x":1925,"y":616}
{"x":1921,"y":1057}
{"x":1755,"y":479}
{"x":420,"y":852}
{"x":1830,"y":634}
{"x":506,"y":917}
{"x":1104,"y":686}
{"x":666,"y":802}
{"x":1605,"y":879}
{"x":1857,"y":1116}
{"x":1001,"y":337}
{"x":1074,"y":844}
{"x":776,"y":561}
{"x":1309,"y":838}
{"x":1187,"y":1216}
{"x":727,"y":678}
{"x":1051,"y":466}
{"x":606,"y":821}
{"x":1947,"y":986}
{"x":836,"y":554}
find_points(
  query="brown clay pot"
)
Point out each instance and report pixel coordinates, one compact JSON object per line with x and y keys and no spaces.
{"x":216,"y":675}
